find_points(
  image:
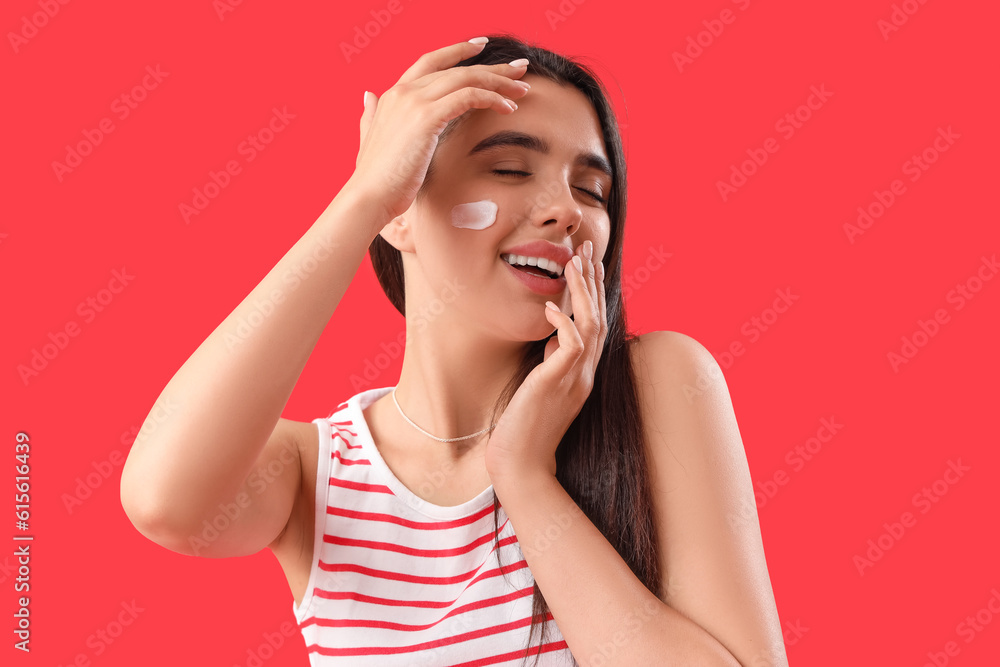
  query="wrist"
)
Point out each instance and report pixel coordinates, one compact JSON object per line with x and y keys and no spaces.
{"x":366,"y":207}
{"x":519,"y":476}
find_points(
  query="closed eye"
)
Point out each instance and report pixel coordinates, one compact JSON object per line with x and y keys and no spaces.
{"x":508,"y":172}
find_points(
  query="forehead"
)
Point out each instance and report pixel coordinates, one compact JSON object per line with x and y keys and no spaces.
{"x":561,"y":115}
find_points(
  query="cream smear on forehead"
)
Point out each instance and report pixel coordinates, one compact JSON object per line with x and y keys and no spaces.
{"x":475,"y":215}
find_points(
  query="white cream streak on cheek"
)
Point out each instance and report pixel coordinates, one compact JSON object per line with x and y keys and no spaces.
{"x":476,"y":215}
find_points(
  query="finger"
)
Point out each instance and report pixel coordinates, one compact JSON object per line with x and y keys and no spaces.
{"x":590,"y":271}
{"x":440,"y":59}
{"x":460,"y":101}
{"x":560,"y":362}
{"x":475,"y":82}
{"x":590,"y":325}
{"x":602,"y":300}
{"x":584,"y":298}
{"x":501,"y":78}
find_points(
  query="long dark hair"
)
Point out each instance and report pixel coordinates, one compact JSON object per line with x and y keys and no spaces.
{"x":600,"y":461}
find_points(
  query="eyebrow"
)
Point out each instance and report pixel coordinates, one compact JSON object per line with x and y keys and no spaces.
{"x":506,"y":138}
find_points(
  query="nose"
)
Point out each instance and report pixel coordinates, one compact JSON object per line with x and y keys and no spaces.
{"x":555,"y":204}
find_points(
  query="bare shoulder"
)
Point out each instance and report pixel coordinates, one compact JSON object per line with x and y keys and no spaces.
{"x":688,"y":418}
{"x":670,"y":353}
{"x":686,"y":409}
{"x":710,"y":546}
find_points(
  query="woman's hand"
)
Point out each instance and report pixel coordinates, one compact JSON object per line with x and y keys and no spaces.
{"x":399,"y":131}
{"x":539,"y":414}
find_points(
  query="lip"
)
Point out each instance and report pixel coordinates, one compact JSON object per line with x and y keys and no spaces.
{"x":547,"y":286}
{"x":557,"y":253}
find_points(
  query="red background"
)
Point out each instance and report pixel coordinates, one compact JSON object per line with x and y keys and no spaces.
{"x":826,"y":357}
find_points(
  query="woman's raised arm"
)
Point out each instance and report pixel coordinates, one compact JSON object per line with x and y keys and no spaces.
{"x":194,"y":460}
{"x":197,"y":465}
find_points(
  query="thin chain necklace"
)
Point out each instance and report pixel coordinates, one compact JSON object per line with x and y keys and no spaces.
{"x":464,"y":437}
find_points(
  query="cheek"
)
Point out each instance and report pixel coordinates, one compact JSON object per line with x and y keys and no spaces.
{"x":475,"y":215}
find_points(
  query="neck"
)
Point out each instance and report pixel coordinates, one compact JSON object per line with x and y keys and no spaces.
{"x":448,"y":387}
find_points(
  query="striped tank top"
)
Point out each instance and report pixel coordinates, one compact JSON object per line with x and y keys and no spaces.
{"x":396,"y":580}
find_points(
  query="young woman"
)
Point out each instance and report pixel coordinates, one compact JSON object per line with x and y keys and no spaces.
{"x":531,"y":447}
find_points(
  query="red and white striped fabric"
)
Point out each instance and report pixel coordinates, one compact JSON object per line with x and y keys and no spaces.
{"x":396,"y":580}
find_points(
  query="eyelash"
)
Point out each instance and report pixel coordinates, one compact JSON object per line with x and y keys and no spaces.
{"x":504,"y":172}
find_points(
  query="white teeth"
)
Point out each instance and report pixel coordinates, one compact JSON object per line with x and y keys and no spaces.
{"x":540,"y":262}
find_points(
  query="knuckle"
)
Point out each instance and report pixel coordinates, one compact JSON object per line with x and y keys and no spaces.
{"x":396,"y":91}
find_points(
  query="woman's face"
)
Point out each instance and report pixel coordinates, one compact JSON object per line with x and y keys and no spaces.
{"x":551,"y":202}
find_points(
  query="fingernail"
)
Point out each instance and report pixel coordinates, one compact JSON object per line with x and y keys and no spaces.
{"x":520,"y":62}
{"x":588,"y":249}
{"x":479,"y":40}
{"x":552,"y":306}
{"x":364,"y":99}
{"x":578,"y":263}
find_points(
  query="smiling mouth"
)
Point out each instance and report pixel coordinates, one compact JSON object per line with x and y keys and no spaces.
{"x":533,"y":270}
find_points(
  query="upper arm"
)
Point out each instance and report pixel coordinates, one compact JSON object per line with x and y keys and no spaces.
{"x":711,"y":551}
{"x":260,"y":512}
